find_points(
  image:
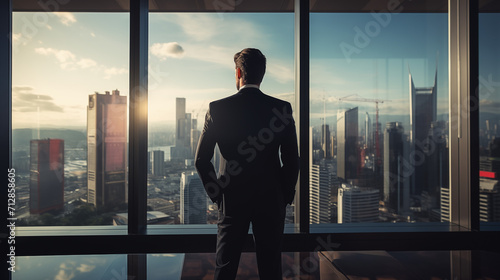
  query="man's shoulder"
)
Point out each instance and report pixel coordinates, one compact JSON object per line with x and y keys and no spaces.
{"x":239,"y":97}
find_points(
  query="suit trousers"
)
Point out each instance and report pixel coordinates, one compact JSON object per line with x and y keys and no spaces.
{"x":267,"y":227}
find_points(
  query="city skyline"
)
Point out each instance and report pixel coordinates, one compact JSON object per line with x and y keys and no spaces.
{"x":375,"y":73}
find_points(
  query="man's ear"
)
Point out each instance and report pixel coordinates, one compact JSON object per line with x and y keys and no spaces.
{"x":238,"y":73}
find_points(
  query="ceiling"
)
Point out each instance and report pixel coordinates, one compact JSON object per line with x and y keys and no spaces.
{"x":246,"y":6}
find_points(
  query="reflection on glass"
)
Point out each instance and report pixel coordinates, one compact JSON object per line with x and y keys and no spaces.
{"x":191,"y":64}
{"x":379,"y":118}
{"x":489,"y":118}
{"x":69,"y":141}
{"x":71,"y":267}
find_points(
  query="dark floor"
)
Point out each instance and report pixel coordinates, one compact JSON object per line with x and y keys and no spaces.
{"x":310,"y":265}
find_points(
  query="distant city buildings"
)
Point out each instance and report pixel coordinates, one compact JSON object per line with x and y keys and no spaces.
{"x":423,"y":112}
{"x":357,"y":205}
{"x":193,"y":199}
{"x":157,"y":162}
{"x":107,"y":149}
{"x":46,"y":176}
{"x":347,"y":144}
{"x":183,"y":139}
{"x":489,"y":200}
{"x":396,"y":192}
{"x":320,"y":195}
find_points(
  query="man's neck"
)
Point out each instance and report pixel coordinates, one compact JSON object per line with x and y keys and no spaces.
{"x":249,"y":86}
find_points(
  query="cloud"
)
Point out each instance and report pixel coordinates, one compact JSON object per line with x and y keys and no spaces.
{"x":66,"y":58}
{"x":66,"y":18}
{"x":164,"y":50}
{"x":85,"y":268}
{"x":25,"y":100}
{"x":63,"y":275}
{"x":92,"y":34}
{"x":86,"y":63}
{"x":198,"y":26}
{"x":489,"y":106}
{"x":69,"y":61}
{"x":114,"y":71}
{"x":281,"y":73}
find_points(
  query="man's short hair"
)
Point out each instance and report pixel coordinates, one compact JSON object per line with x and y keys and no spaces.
{"x":252,"y":64}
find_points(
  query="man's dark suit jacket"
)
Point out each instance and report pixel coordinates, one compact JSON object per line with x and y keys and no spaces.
{"x":258,"y":143}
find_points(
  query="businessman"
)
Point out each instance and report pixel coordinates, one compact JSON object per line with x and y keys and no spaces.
{"x":258,"y":168}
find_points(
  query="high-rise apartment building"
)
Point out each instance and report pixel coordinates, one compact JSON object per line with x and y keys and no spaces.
{"x":107,"y":149}
{"x":320,"y":195}
{"x":347,"y":144}
{"x":489,"y":200}
{"x":368,"y":133}
{"x":326,"y":141}
{"x":396,"y":192}
{"x":193,"y":199}
{"x":183,"y":123}
{"x":46,"y":176}
{"x":423,"y":112}
{"x":157,"y":162}
{"x":357,"y":205}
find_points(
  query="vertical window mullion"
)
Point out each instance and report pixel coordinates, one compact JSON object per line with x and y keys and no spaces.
{"x":138,"y":117}
{"x":302,"y":116}
{"x":464,"y":177}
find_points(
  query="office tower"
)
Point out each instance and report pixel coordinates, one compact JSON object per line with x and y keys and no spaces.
{"x":445,"y":205}
{"x":325,"y":141}
{"x":195,"y":137}
{"x":107,"y":149}
{"x":437,"y":162}
{"x":46,"y":176}
{"x":423,"y":112}
{"x":193,"y":199}
{"x":320,"y":197}
{"x":368,"y":133}
{"x":396,"y":194}
{"x":157,"y":160}
{"x":182,"y":149}
{"x":357,"y":205}
{"x":347,"y":144}
{"x":180,"y":120}
{"x":489,"y":200}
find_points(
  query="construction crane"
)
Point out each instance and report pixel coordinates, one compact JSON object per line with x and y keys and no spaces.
{"x":355,"y":97}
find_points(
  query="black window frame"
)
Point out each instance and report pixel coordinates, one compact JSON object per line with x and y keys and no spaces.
{"x":463,"y":233}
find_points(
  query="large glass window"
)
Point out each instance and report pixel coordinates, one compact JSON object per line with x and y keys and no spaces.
{"x":191,"y":64}
{"x":69,"y":117}
{"x":379,"y":117}
{"x":489,"y":117}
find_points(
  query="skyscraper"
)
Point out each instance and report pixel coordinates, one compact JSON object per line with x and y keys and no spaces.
{"x":195,"y":136}
{"x":157,"y":159}
{"x":320,"y":196}
{"x":357,"y":205}
{"x":368,"y":133}
{"x":396,"y":184}
{"x":423,"y":112}
{"x":326,"y":141}
{"x":347,"y":144}
{"x":182,"y":149}
{"x":193,"y":199}
{"x":107,"y":149}
{"x":46,"y":175}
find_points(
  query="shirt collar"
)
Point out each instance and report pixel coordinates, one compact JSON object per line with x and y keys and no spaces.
{"x":249,"y":86}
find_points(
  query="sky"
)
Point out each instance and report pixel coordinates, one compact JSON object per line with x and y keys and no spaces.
{"x":61,"y":58}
